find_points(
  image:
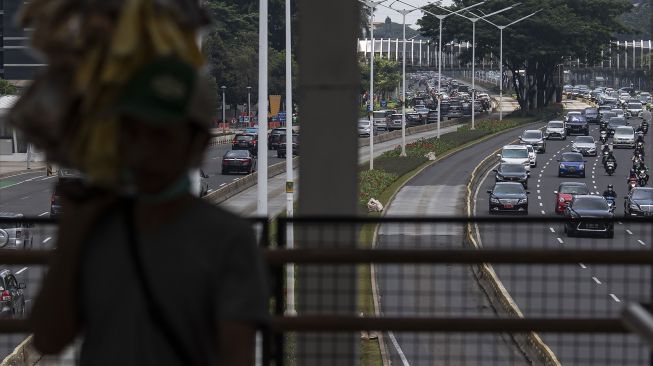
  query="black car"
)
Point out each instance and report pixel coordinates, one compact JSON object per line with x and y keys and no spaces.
{"x":591,"y":115}
{"x":12,"y":298}
{"x":508,"y":197}
{"x":615,"y":122}
{"x":589,"y":214}
{"x":605,"y":118}
{"x":276,"y":136}
{"x":511,"y":173}
{"x":245,"y":141}
{"x":432,"y":117}
{"x":413,"y":119}
{"x":281,"y":151}
{"x":240,"y":161}
{"x":639,"y":202}
{"x":577,"y":125}
{"x":64,"y":176}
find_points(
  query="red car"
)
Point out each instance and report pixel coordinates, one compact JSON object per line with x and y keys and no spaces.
{"x":566,"y":192}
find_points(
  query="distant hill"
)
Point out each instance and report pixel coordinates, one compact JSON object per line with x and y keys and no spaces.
{"x":640,"y":20}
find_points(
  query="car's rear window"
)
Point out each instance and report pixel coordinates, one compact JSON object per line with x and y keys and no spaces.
{"x":643,"y":194}
{"x":635,"y":105}
{"x":514,"y":153}
{"x":572,"y":158}
{"x":532,"y":134}
{"x":574,"y":189}
{"x":512,"y":168}
{"x":244,"y":138}
{"x":508,"y":189}
{"x":624,"y":130}
{"x":585,"y":139}
{"x":587,"y":203}
{"x":555,"y":124}
{"x":237,"y":154}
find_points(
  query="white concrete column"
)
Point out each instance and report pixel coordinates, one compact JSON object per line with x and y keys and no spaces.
{"x":601,"y":58}
{"x":365,"y":52}
{"x":650,"y":61}
{"x":412,"y":53}
{"x":397,"y":50}
{"x":420,"y":53}
{"x":610,"y":53}
{"x":618,"y":59}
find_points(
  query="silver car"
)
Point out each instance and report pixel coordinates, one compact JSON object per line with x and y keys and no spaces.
{"x":364,"y":128}
{"x":634,"y":109}
{"x":624,"y":136}
{"x":584,"y":145}
{"x":555,"y":129}
{"x":14,"y":235}
{"x":534,"y":138}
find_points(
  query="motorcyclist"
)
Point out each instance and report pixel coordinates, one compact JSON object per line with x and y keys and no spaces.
{"x":641,"y":166}
{"x":610,"y":192}
{"x":610,"y":157}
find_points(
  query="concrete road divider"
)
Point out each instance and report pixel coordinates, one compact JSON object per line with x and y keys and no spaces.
{"x":222,"y":194}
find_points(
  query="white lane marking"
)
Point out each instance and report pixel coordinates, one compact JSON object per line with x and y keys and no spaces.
{"x":629,"y":232}
{"x":209,"y":191}
{"x":402,"y":356}
{"x":29,"y":300}
{"x":582,"y":265}
{"x":615,"y":298}
{"x":596,"y":280}
{"x":45,"y":213}
{"x":24,"y":198}
{"x":641,"y":242}
{"x":539,"y":197}
{"x":538,"y":191}
{"x":552,"y":230}
{"x":620,"y":223}
{"x":46,"y":178}
{"x":593,"y":182}
{"x":21,"y":270}
{"x":541,"y":204}
{"x":223,"y":184}
{"x":538,"y":186}
{"x":47,"y":239}
{"x":560,"y":241}
{"x":543,"y":213}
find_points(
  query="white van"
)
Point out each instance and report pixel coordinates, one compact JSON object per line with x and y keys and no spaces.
{"x":516,"y":154}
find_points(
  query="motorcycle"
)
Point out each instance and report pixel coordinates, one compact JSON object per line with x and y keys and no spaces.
{"x":642,"y":178}
{"x":610,"y":167}
{"x":606,"y":153}
{"x":612,"y":204}
{"x":632,"y":183}
{"x":604,"y":136}
{"x":645,"y":127}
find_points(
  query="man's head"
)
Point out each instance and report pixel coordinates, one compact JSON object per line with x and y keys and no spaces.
{"x":165,"y":113}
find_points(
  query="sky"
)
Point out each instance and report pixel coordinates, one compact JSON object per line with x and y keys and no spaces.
{"x":411,"y":19}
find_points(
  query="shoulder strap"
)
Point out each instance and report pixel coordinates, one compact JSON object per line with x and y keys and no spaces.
{"x":155,"y":310}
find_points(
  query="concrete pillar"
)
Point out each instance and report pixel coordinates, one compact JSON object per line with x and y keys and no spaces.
{"x":412,"y":53}
{"x":397,"y":50}
{"x":618,"y":59}
{"x":389,"y":47}
{"x":328,"y":75}
{"x":420,"y":53}
{"x":366,"y":45}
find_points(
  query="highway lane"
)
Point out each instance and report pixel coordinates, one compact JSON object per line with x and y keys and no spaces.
{"x":438,"y":290}
{"x":582,"y":289}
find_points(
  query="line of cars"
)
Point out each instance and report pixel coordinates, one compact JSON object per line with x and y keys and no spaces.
{"x":242,"y":158}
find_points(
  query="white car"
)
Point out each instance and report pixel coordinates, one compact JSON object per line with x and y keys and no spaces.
{"x":634,"y":109}
{"x":532,"y":155}
{"x":584,"y":145}
{"x":624,"y":136}
{"x":516,"y":154}
{"x":555,"y":129}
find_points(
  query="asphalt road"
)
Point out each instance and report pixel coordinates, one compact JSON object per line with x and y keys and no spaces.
{"x":438,"y":290}
{"x":580,"y":290}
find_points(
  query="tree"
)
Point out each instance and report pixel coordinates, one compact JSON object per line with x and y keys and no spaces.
{"x":7,"y":88}
{"x":387,"y":76}
{"x":533,"y":48}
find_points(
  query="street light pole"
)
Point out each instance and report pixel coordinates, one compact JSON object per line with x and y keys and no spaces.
{"x":224,"y":112}
{"x":501,"y":28}
{"x":249,"y":106}
{"x":372,"y":5}
{"x":403,"y":83}
{"x":290,"y":191}
{"x":262,"y":156}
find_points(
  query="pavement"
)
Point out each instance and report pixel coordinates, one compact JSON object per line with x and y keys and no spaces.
{"x":8,"y":168}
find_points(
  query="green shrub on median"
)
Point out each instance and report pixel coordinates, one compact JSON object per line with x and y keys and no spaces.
{"x":371,"y":183}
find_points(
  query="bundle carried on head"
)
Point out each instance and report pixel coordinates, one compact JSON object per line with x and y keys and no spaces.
{"x":93,"y":47}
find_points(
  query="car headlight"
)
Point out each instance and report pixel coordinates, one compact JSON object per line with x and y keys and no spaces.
{"x":634,"y":206}
{"x":563,"y":166}
{"x":494,"y":200}
{"x":522,"y":201}
{"x":581,"y":167}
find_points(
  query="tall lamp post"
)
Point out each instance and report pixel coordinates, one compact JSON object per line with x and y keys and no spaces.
{"x":249,"y":105}
{"x":501,"y":28}
{"x":224,"y":111}
{"x":290,"y":191}
{"x":262,"y":179}
{"x":441,"y":17}
{"x":403,"y":78}
{"x":372,"y":5}
{"x":474,"y":20}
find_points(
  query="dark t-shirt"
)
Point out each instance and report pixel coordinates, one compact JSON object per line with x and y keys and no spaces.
{"x":203,"y":266}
